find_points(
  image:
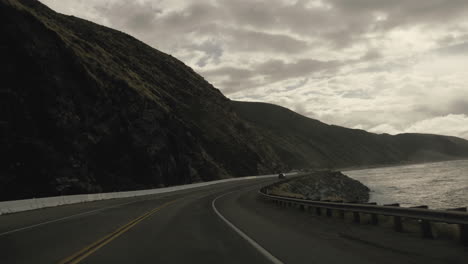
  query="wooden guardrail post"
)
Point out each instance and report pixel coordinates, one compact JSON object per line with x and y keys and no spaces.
{"x":397,"y":224}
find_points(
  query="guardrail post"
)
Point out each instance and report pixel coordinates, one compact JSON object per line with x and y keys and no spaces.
{"x":397,"y":224}
{"x":463,"y":229}
{"x":374,"y":219}
{"x":426,"y":230}
{"x":424,"y":219}
{"x":341,"y":214}
{"x":301,"y":207}
{"x":356,"y":217}
{"x":318,"y":211}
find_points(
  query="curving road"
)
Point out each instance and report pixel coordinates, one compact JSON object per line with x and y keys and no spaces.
{"x":223,"y":223}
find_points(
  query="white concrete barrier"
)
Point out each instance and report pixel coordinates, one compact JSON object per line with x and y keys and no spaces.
{"x":36,"y":203}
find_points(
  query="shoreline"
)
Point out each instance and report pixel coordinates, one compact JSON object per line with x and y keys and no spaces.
{"x":378,"y":166}
{"x":439,"y":185}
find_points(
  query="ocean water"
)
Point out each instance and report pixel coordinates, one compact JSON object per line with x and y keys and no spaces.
{"x":439,"y":185}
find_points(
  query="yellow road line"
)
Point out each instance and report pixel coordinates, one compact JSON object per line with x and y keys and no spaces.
{"x":93,"y":247}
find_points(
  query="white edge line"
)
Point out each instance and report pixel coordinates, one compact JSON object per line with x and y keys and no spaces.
{"x":252,"y":242}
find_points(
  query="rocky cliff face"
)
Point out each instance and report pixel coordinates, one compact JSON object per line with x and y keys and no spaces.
{"x":86,"y":108}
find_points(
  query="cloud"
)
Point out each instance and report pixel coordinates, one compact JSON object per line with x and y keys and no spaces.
{"x":455,"y":125}
{"x":451,"y":124}
{"x":385,"y":66}
{"x":385,"y":128}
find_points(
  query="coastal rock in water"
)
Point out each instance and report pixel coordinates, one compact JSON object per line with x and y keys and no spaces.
{"x":326,"y":185}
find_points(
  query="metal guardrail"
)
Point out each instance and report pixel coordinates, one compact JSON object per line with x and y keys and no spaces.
{"x":421,"y":213}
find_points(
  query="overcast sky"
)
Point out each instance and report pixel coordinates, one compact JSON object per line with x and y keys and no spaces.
{"x":384,"y":66}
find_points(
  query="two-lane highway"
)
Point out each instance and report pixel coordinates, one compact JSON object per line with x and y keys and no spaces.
{"x":172,"y":227}
{"x":223,"y":223}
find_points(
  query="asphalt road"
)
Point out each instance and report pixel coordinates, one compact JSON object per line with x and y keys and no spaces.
{"x":224,"y":223}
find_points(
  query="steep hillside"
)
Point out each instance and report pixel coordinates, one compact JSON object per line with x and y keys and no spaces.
{"x":86,"y":108}
{"x":305,"y":142}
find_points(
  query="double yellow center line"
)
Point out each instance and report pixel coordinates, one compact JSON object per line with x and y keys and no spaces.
{"x":90,"y":249}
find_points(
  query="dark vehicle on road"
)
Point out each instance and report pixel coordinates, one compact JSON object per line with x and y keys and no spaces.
{"x":281,"y":176}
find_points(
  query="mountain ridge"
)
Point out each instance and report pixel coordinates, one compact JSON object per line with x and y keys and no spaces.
{"x":86,"y":108}
{"x":317,"y":144}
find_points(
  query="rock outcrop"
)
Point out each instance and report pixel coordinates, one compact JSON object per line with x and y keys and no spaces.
{"x":324,"y":185}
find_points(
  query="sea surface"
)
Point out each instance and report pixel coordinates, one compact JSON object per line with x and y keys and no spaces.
{"x":439,"y":185}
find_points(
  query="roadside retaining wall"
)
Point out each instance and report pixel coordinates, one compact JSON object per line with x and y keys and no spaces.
{"x":36,"y":203}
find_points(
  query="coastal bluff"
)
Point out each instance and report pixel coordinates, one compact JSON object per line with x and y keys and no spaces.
{"x":323,"y":185}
